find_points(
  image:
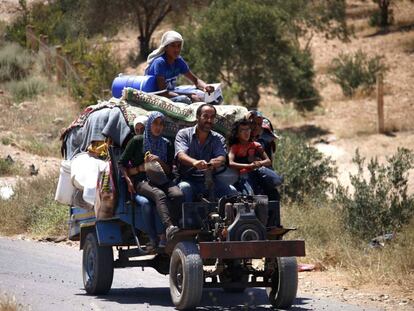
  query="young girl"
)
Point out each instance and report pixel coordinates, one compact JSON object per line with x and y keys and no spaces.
{"x":167,"y":196}
{"x":166,"y":64}
{"x":249,"y":158}
{"x":139,"y":124}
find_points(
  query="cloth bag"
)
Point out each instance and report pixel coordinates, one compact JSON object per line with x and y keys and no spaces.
{"x":106,"y":194}
{"x":155,"y":173}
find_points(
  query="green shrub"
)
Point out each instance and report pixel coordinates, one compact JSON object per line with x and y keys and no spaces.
{"x":2,"y":32}
{"x":356,"y":71}
{"x":306,"y":171}
{"x":97,"y":67}
{"x":26,"y":89}
{"x":379,"y":204}
{"x":50,"y":219}
{"x":383,"y":16}
{"x":10,"y":167}
{"x":6,"y":141}
{"x":32,"y":209}
{"x":16,"y":31}
{"x":54,"y":19}
{"x":15,"y":62}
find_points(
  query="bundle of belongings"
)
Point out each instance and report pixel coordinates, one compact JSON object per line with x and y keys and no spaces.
{"x":85,"y":142}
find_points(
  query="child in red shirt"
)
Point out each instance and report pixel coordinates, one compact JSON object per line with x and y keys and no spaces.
{"x":249,"y":158}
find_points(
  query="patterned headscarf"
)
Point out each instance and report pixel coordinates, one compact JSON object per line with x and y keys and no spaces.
{"x":155,"y":144}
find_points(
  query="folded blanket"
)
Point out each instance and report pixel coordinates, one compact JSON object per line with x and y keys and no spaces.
{"x":226,"y":114}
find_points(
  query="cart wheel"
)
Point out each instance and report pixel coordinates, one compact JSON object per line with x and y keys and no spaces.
{"x":186,"y":275}
{"x":284,"y":283}
{"x":97,"y":266}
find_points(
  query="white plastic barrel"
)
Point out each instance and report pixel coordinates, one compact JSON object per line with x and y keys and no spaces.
{"x":65,"y":189}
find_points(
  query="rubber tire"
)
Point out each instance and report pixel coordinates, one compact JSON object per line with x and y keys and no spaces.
{"x":186,"y":259}
{"x":97,"y":266}
{"x":284,"y":283}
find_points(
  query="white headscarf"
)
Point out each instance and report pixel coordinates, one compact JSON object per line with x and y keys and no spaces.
{"x":140,"y":119}
{"x":167,"y":38}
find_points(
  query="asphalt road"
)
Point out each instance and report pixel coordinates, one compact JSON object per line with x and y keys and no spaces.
{"x":47,"y":276}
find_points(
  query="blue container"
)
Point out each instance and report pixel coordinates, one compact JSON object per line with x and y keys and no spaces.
{"x":143,"y":83}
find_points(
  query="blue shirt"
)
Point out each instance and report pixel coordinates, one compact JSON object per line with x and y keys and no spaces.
{"x":161,"y":67}
{"x":186,"y":141}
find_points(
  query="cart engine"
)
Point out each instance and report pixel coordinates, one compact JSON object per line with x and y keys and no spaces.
{"x":241,"y":218}
{"x":236,"y":218}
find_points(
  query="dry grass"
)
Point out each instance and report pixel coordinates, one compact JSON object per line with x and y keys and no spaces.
{"x":32,"y":121}
{"x":33,"y":210}
{"x":329,"y":246}
{"x":9,"y":168}
{"x":35,"y":126}
{"x":8,"y":303}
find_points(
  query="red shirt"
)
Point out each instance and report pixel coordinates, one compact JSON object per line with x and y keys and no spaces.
{"x":247,"y":153}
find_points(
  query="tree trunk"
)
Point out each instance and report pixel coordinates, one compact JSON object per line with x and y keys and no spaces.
{"x":384,"y":7}
{"x":144,"y":47}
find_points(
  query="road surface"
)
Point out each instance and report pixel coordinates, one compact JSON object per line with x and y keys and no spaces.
{"x":47,"y":276}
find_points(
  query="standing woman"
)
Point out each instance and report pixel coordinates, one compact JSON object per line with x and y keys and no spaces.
{"x":167,"y":197}
{"x":166,"y":64}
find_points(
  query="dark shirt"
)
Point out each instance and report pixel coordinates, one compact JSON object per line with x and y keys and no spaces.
{"x":133,"y":154}
{"x":268,"y":144}
{"x":186,"y":141}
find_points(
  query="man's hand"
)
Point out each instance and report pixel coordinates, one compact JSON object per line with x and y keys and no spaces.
{"x":216,"y":163}
{"x":209,"y":89}
{"x":200,"y":164}
{"x":257,"y":164}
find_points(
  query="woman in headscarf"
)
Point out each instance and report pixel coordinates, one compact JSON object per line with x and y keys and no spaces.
{"x":166,"y":64}
{"x":139,"y":124}
{"x":147,"y":148}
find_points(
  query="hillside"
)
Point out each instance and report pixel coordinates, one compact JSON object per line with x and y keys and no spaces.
{"x":337,"y":128}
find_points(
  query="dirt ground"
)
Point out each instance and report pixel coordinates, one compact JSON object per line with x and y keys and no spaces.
{"x":338,"y":285}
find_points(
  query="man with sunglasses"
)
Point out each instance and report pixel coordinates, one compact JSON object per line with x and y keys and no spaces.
{"x":198,"y":149}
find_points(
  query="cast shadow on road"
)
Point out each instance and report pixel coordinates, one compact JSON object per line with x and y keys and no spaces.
{"x":213,"y":299}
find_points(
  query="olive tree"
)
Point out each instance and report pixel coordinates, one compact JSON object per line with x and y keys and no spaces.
{"x":250,"y":44}
{"x":144,"y":15}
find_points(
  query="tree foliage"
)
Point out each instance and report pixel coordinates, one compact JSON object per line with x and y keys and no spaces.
{"x":356,"y":71}
{"x":309,"y":17}
{"x":55,"y":19}
{"x":308,"y":174}
{"x":145,"y":15}
{"x":250,"y":44}
{"x":380,"y":203}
